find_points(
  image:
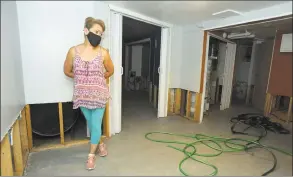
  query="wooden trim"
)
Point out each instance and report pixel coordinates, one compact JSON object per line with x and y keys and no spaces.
{"x":177,"y":101}
{"x":29,"y":126}
{"x":106,"y":123}
{"x":60,"y":110}
{"x":268,"y":104}
{"x":66,"y":145}
{"x":271,"y":61}
{"x":24,"y":137}
{"x":106,"y":119}
{"x":290,"y":110}
{"x":169,"y":101}
{"x":17,"y":150}
{"x":188,"y":103}
{"x":198,"y":101}
{"x":203,"y":61}
{"x":6,"y":158}
{"x":60,"y":146}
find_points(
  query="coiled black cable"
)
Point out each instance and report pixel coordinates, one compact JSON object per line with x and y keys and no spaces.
{"x":258,"y":121}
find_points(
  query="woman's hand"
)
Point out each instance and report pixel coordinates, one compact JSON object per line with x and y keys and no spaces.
{"x":108,"y":64}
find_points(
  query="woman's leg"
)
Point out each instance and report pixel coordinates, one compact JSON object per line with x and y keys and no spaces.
{"x":97,"y":119}
{"x":91,"y":157}
{"x":88,"y":116}
{"x":96,"y":122}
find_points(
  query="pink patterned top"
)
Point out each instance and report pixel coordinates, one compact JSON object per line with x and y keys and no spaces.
{"x":90,"y":87}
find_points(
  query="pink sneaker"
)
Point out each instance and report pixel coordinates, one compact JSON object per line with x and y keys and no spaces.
{"x":91,"y":164}
{"x":102,"y":151}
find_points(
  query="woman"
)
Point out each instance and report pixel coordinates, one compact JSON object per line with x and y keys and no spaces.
{"x":90,"y":65}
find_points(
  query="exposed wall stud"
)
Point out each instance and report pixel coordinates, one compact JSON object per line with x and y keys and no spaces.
{"x":24,"y":137}
{"x":29,"y":126}
{"x":61,"y":123}
{"x":177,"y":101}
{"x":6,"y":158}
{"x":17,"y":150}
{"x":188,"y":104}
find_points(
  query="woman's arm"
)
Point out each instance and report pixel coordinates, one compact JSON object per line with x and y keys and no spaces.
{"x":68,"y":64}
{"x":108,"y":64}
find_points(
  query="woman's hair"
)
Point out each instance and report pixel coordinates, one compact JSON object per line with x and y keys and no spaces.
{"x":90,"y":21}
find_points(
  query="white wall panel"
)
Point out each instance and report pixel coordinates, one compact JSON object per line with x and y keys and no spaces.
{"x":12,"y":91}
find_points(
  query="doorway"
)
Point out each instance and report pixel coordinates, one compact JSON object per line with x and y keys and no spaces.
{"x":140,"y":62}
{"x":118,"y":80}
{"x":219,"y":74}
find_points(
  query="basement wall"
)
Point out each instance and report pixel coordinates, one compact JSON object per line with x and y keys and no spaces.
{"x":280,"y":82}
{"x":48,"y":30}
{"x":12,"y":89}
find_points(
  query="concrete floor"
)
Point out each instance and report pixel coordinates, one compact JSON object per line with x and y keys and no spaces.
{"x":131,"y":154}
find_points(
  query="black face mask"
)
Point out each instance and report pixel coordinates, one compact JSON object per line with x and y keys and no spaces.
{"x":94,"y":39}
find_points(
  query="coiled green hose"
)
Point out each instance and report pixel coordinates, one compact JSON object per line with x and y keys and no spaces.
{"x":220,"y":145}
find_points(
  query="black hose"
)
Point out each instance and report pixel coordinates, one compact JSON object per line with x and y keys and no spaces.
{"x":259,"y":122}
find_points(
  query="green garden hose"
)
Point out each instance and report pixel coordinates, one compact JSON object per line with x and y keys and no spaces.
{"x":218,"y":144}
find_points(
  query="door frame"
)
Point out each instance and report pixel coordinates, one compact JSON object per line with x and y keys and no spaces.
{"x":116,"y":14}
{"x":204,"y":69}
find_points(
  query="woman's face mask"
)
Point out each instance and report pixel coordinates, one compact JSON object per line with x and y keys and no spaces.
{"x":94,"y":39}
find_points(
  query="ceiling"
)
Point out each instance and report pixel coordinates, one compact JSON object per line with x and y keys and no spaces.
{"x":187,"y":12}
{"x":134,"y":30}
{"x":265,"y":29}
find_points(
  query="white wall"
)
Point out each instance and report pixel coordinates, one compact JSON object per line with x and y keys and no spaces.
{"x":186,"y":55}
{"x":12,"y":90}
{"x":48,"y":30}
{"x":136,"y":59}
{"x":191,"y":58}
{"x":175,"y":57}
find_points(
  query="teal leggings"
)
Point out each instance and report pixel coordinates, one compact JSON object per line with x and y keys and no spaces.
{"x":94,"y":118}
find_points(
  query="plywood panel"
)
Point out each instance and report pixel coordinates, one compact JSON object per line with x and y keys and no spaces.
{"x":280,"y":82}
{"x":6,"y":157}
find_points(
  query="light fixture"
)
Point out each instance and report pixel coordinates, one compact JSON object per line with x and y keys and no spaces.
{"x":224,"y":35}
{"x":259,"y":41}
{"x":240,"y":35}
{"x":228,"y":11}
{"x":232,"y":35}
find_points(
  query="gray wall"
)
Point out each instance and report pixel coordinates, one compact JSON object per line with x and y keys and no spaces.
{"x":262,"y":67}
